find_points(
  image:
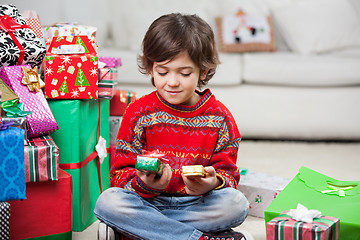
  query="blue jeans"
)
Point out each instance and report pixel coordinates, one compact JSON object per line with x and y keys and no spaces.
{"x":171,"y":217}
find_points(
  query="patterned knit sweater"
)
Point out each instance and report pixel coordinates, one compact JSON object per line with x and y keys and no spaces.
{"x":203,"y":134}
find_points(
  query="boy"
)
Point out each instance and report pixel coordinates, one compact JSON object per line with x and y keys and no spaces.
{"x":190,"y":127}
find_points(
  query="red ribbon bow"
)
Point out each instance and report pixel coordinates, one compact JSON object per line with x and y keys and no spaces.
{"x":9,"y":25}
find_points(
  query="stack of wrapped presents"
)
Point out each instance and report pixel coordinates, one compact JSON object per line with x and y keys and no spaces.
{"x":55,"y":94}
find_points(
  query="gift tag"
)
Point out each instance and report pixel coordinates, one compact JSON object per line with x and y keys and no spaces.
{"x":70,"y":49}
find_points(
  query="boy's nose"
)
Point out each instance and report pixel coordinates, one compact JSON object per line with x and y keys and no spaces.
{"x":173,"y":81}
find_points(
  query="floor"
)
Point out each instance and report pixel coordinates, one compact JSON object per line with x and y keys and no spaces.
{"x":337,"y":160}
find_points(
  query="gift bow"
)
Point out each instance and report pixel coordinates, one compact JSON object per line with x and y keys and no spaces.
{"x":154,"y":154}
{"x":4,"y":126}
{"x":14,"y":109}
{"x":339,"y":189}
{"x":101,"y":149}
{"x":301,"y":213}
{"x":8,"y":24}
{"x":32,"y":79}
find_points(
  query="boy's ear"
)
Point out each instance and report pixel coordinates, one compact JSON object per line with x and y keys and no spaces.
{"x":203,"y":74}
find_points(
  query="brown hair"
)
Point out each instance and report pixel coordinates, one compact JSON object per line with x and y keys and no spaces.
{"x":174,"y":33}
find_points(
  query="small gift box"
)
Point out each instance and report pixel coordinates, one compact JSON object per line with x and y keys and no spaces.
{"x":308,"y":224}
{"x":41,"y":159}
{"x":12,"y":170}
{"x":120,"y":101}
{"x":19,"y":39}
{"x":112,"y":62}
{"x":4,"y":220}
{"x":260,"y":189}
{"x":151,"y":162}
{"x":26,"y":83}
{"x":193,"y":171}
{"x":71,"y":74}
{"x":107,"y":73}
{"x":106,"y":89}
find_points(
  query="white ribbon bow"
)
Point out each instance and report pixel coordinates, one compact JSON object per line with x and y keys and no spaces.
{"x":301,"y":213}
{"x":101,"y":149}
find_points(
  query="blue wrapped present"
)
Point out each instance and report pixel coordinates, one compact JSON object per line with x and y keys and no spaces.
{"x":12,"y":165}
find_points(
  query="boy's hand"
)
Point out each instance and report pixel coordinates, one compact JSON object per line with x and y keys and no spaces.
{"x":156,"y":183}
{"x":201,"y":185}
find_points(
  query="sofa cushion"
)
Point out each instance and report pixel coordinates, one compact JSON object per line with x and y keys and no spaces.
{"x":291,"y":69}
{"x":245,"y":33}
{"x":318,"y":26}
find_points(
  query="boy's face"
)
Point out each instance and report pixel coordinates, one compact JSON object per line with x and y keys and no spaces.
{"x":177,"y":80}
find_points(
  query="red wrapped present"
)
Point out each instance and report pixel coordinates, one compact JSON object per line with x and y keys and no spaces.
{"x":46,"y":211}
{"x":21,"y":79}
{"x":284,"y":227}
{"x":108,"y":73}
{"x":120,"y":101}
{"x":41,"y":159}
{"x":71,"y":69}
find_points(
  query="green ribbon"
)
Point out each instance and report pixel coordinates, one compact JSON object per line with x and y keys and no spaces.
{"x":14,"y":109}
{"x":339,"y":189}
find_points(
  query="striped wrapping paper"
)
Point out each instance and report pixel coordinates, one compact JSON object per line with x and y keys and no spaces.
{"x":41,"y":159}
{"x":284,"y":227}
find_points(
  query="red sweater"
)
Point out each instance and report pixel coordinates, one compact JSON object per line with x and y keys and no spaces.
{"x":204,"y":134}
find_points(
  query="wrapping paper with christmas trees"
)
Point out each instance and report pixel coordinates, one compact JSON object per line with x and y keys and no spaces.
{"x":46,"y":213}
{"x":71,"y":75}
{"x":77,"y":137}
{"x":260,"y":189}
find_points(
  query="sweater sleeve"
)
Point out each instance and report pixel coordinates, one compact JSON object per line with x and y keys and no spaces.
{"x":129,"y":144}
{"x":225,"y":155}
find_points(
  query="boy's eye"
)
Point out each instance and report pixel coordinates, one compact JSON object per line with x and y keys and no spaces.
{"x":162,"y":73}
{"x":186,"y":74}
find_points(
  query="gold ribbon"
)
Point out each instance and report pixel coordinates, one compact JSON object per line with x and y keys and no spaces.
{"x":32,"y":79}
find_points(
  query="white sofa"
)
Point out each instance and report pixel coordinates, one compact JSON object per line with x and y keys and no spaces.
{"x":308,"y":89}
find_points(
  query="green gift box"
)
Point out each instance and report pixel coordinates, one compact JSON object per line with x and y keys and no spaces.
{"x":149,"y":164}
{"x":80,"y":122}
{"x":339,"y":199}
